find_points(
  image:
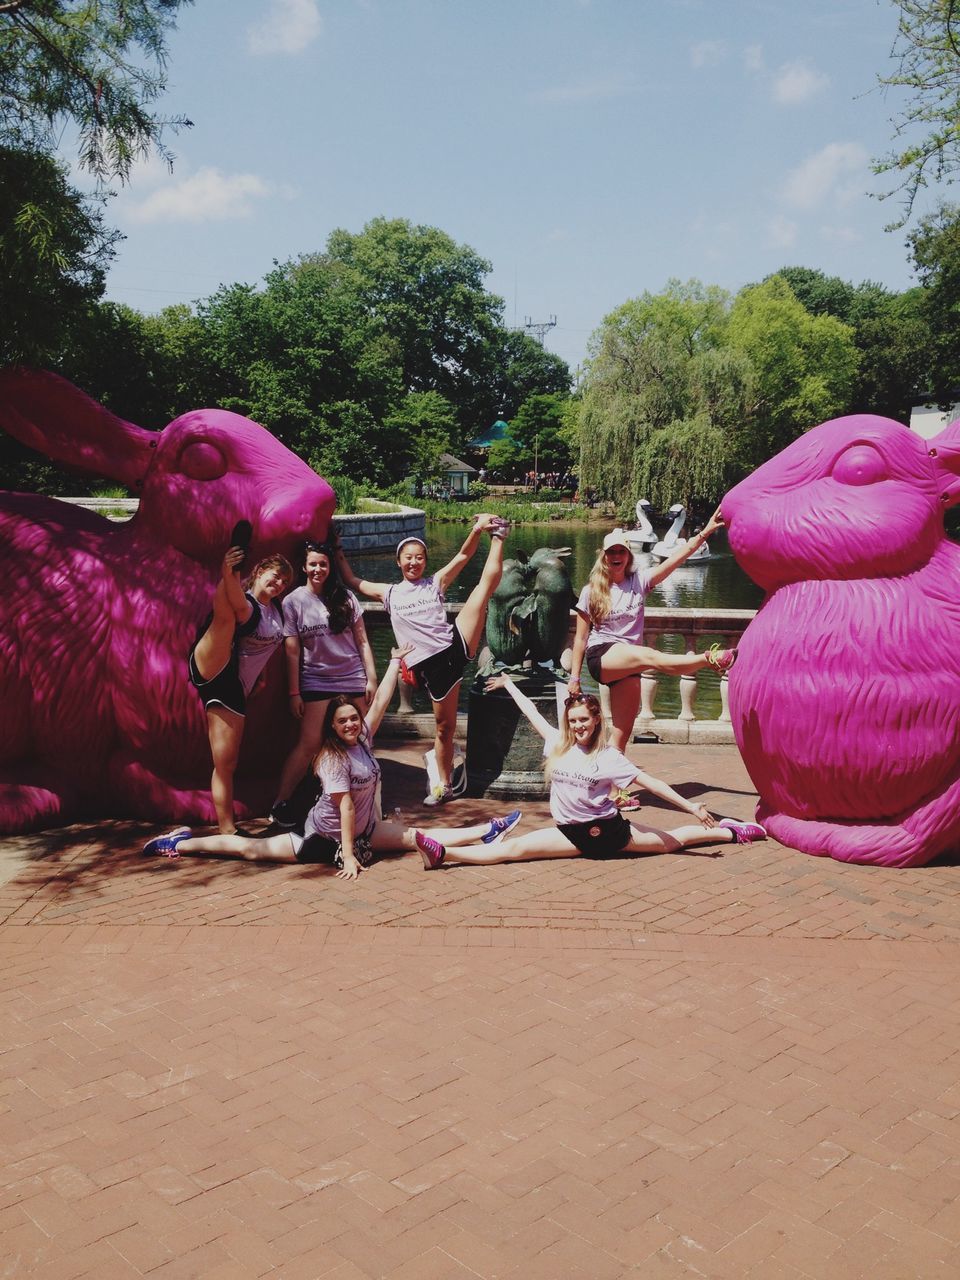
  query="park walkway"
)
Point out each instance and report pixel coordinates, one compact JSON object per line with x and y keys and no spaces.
{"x":736,"y":1066}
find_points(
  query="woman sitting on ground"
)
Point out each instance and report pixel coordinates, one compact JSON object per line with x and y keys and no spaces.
{"x":581,"y":770}
{"x":343,"y":828}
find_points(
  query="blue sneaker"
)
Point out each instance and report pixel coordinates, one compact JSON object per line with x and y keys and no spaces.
{"x":167,"y":845}
{"x":500,"y":826}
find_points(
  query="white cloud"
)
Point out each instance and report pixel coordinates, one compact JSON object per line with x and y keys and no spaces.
{"x":708,"y":53}
{"x":841,"y":235}
{"x":753,"y":57}
{"x":837,"y":173}
{"x":781,"y":232}
{"x":796,"y":82}
{"x":288,"y":26}
{"x":205,"y":196}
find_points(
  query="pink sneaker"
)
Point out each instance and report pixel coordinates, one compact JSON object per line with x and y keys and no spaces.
{"x":744,"y":832}
{"x":431,"y":851}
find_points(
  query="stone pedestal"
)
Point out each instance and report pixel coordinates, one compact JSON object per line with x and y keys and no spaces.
{"x":504,"y":751}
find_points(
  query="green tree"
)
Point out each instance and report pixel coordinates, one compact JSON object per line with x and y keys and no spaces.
{"x":664,"y":398}
{"x":890,"y":331}
{"x":54,"y":251}
{"x":536,"y":437}
{"x":927,"y":54}
{"x":519,"y":367}
{"x":421,"y":429}
{"x":935,"y":246}
{"x":804,"y":366}
{"x":99,"y":66}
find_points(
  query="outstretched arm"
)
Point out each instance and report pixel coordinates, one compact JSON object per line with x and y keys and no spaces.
{"x":579,"y":650}
{"x":453,"y":568}
{"x":661,"y":789}
{"x":230,"y":589}
{"x":543,"y":726}
{"x":684,"y":552}
{"x":385,"y":692}
{"x":375,"y":590}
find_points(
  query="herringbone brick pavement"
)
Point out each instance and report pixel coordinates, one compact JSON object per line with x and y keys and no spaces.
{"x":743,"y":1066}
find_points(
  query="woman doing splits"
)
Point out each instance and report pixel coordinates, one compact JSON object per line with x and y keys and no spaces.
{"x":439,"y":650}
{"x":228,"y":657}
{"x":581,"y":770}
{"x":343,"y":828}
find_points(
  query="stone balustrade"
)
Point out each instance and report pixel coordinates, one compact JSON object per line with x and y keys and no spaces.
{"x":695,"y":626}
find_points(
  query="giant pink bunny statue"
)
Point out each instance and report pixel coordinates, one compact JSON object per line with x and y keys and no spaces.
{"x":97,"y":618}
{"x":846,"y":696}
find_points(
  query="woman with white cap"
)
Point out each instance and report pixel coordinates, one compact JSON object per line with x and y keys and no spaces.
{"x":439,"y":650}
{"x":610,"y":628}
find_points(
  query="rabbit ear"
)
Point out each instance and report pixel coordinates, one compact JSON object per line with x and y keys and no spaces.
{"x":51,"y":415}
{"x":945,"y":452}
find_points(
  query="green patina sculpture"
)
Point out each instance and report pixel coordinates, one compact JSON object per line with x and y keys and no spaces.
{"x":528,"y":617}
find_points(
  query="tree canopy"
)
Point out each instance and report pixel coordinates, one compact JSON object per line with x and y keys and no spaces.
{"x":100,"y":66}
{"x":927,"y":128}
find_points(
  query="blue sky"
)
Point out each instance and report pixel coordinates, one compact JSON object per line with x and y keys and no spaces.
{"x":589,"y":149}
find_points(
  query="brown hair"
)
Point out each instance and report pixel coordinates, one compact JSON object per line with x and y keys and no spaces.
{"x":566,"y":740}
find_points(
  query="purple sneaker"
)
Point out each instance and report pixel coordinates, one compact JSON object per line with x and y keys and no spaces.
{"x":500,"y":826}
{"x":720,"y":659}
{"x":744,"y":832}
{"x":431,"y":851}
{"x":167,"y":845}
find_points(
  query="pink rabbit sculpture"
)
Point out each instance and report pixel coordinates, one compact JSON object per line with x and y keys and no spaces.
{"x":846,"y":696}
{"x":96,"y":618}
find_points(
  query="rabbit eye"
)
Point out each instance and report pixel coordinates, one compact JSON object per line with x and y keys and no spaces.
{"x":202,"y":461}
{"x":860,"y":464}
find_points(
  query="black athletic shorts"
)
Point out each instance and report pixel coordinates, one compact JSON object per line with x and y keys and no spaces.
{"x":598,"y":839}
{"x":593,"y":663}
{"x":223,"y":690}
{"x":443,"y":671}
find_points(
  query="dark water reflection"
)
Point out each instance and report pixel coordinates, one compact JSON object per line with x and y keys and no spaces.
{"x":717,"y":583}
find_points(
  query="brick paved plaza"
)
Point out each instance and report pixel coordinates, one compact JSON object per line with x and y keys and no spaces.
{"x":736,"y":1066}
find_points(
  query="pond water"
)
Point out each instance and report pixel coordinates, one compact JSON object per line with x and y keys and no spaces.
{"x":717,"y":583}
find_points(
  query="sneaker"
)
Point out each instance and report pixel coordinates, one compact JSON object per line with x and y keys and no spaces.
{"x":500,"y":826}
{"x":720,"y":659}
{"x":431,"y":851}
{"x":625,"y":802}
{"x":500,"y":528}
{"x":241,"y":537}
{"x":167,"y":845}
{"x":441,"y":794}
{"x":282,"y":815}
{"x":744,"y":832}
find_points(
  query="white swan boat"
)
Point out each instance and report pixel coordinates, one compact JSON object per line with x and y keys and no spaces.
{"x":671,"y":540}
{"x":643,"y":536}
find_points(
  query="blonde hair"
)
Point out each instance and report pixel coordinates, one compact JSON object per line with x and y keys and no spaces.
{"x":599,"y":581}
{"x":566,"y":740}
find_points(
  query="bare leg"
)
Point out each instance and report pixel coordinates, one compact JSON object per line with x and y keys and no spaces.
{"x":548,"y":842}
{"x":624,"y":705}
{"x":308,"y":744}
{"x":391,"y":837}
{"x":472,"y":617}
{"x":225,"y":731}
{"x":651,"y":840}
{"x":213,"y":649}
{"x":270,"y":849}
{"x":631,"y":659}
{"x":445,"y":714}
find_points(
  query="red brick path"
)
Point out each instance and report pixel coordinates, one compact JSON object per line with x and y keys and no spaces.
{"x":742,"y":1066}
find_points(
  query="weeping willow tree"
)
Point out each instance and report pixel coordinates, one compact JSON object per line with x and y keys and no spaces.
{"x":665,"y":399}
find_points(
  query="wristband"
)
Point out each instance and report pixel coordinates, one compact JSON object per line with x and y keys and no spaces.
{"x":294,"y":695}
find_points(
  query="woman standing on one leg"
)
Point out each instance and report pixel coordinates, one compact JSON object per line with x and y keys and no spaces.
{"x":439,"y":651}
{"x":327,"y":653}
{"x":343,"y":828}
{"x":610,"y":628}
{"x":581,"y":770}
{"x":228,"y":658}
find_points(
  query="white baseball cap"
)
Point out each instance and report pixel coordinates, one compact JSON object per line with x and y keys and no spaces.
{"x":615,"y":538}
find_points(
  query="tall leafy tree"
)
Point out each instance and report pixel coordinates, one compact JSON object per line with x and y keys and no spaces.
{"x":99,"y":65}
{"x":927,"y":129}
{"x":935,"y":245}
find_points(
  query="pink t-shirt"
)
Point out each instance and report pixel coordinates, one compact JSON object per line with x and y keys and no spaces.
{"x":328,"y":661}
{"x":418,"y":617}
{"x":359,"y":774}
{"x":580,"y":782}
{"x":624,"y":622}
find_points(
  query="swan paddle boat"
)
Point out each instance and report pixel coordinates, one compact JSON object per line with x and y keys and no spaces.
{"x":671,"y":540}
{"x":643,"y":536}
